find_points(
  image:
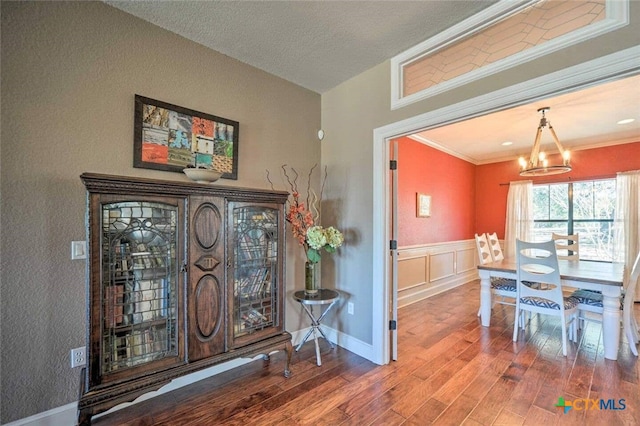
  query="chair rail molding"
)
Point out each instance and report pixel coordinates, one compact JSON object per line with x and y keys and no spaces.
{"x":430,"y":269}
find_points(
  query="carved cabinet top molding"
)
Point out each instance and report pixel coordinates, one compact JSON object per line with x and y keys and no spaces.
{"x":97,"y":182}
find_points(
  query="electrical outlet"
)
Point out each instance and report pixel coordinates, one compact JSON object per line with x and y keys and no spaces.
{"x":350,"y":308}
{"x":78,"y":357}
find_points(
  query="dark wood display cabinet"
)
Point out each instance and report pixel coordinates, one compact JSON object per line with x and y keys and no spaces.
{"x":181,"y":276}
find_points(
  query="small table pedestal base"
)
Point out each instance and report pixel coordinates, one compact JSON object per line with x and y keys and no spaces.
{"x":323,"y":297}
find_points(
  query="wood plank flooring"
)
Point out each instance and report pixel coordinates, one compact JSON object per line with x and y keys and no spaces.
{"x":451,"y":371}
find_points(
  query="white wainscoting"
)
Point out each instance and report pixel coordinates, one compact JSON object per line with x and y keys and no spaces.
{"x":426,"y":270}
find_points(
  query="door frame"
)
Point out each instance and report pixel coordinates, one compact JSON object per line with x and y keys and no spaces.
{"x":624,"y":63}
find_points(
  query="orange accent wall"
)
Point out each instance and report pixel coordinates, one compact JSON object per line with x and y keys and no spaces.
{"x":491,"y":196}
{"x":449,"y":181}
{"x":468,"y":199}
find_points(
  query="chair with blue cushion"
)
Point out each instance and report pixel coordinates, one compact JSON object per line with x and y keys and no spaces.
{"x":501,"y":288}
{"x":539,"y":289}
{"x":590,"y":305}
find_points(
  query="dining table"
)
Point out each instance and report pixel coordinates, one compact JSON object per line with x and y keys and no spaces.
{"x":605,"y":277}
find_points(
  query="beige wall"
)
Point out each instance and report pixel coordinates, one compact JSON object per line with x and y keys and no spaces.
{"x":69,"y":75}
{"x":350,"y":113}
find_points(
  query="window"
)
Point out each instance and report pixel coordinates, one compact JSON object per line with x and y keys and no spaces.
{"x":586,"y":208}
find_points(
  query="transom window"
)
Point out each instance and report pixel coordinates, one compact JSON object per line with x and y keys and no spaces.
{"x":586,"y":208}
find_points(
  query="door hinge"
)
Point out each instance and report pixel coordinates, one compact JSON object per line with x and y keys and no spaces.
{"x":393,"y":325}
{"x":393,"y":245}
{"x":393,"y":165}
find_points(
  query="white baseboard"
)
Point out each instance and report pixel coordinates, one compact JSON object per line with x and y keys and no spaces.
{"x":437,"y":289}
{"x":358,"y":347}
{"x":66,"y":415}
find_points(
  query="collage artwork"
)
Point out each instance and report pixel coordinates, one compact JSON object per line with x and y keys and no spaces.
{"x":173,"y":140}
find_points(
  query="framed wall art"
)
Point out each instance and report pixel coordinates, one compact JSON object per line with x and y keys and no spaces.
{"x":423,"y":203}
{"x":169,"y":137}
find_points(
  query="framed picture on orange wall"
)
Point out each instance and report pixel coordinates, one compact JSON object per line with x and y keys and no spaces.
{"x":423,"y":205}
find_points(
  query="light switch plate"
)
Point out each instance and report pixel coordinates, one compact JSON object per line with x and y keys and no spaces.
{"x":78,"y":250}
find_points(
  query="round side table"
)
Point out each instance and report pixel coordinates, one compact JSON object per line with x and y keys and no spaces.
{"x":325,"y":298}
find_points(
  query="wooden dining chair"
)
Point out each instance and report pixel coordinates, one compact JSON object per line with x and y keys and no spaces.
{"x":494,"y":246}
{"x":567,"y":246}
{"x":629,"y":323}
{"x":503,"y":289}
{"x":484,"y":252}
{"x":590,"y":306}
{"x":537,"y":262}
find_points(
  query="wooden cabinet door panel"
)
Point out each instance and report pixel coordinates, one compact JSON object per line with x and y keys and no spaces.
{"x":206,"y":289}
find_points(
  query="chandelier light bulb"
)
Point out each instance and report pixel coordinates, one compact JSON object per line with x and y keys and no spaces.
{"x":542,"y":156}
{"x":523,"y":162}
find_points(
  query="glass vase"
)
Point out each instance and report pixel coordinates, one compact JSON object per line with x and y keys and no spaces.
{"x":310,"y":278}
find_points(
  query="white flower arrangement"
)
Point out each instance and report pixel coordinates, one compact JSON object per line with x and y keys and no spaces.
{"x":319,"y":238}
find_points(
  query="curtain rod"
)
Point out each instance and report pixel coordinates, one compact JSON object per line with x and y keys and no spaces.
{"x":569,"y":179}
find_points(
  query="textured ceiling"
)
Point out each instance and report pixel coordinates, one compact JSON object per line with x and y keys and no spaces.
{"x":320,"y":44}
{"x":315,"y":44}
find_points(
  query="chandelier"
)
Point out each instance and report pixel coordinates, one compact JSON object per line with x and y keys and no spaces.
{"x":538,"y":164}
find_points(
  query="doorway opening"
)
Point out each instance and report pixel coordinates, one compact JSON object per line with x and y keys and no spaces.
{"x":609,"y":68}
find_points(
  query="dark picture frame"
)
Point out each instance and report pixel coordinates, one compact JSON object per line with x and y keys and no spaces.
{"x":170,"y":138}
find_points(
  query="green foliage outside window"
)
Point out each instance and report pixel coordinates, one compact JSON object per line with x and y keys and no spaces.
{"x":586,"y":208}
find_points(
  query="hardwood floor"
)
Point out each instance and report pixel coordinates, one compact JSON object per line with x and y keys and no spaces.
{"x":450,"y":371}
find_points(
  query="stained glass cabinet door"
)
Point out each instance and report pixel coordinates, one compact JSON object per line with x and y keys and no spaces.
{"x":255,"y":296}
{"x":135,"y":310}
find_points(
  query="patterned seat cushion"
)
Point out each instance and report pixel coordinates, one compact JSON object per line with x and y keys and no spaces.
{"x":504,"y":284}
{"x":588,"y":297}
{"x":569,"y":302}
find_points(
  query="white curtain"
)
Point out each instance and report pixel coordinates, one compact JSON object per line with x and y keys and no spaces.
{"x":627,"y":227}
{"x":519,"y":215}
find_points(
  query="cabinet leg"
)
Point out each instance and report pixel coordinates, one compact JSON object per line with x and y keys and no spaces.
{"x":288,"y":348}
{"x":84,"y":417}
